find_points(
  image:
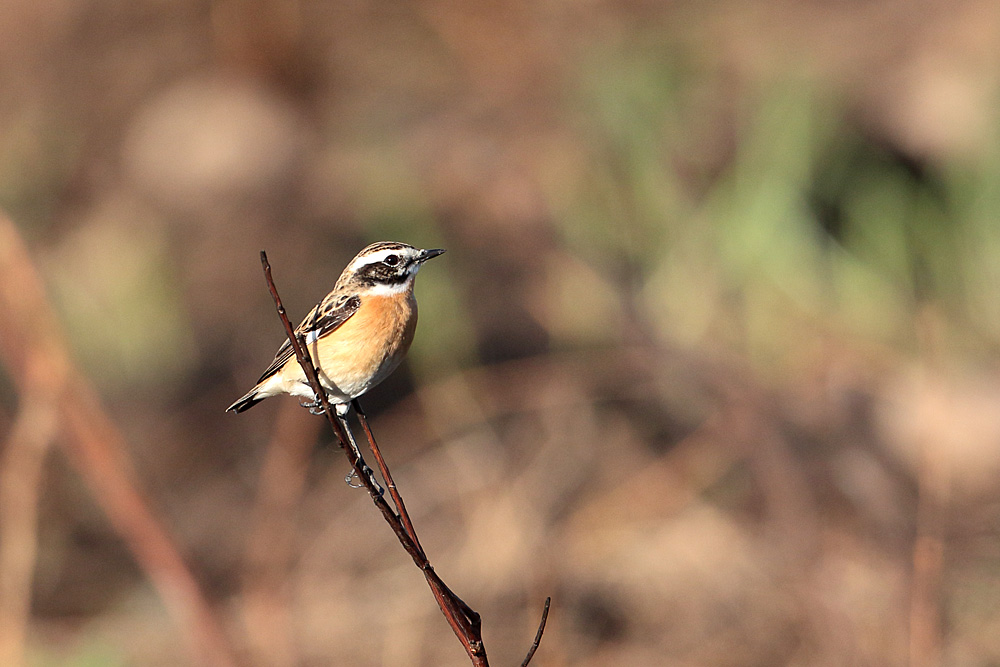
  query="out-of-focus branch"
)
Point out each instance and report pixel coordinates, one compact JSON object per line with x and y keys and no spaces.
{"x":34,"y":350}
{"x":38,"y":362}
{"x":98,"y":450}
{"x":20,"y":477}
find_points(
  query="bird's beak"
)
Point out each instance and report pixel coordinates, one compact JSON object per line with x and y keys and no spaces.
{"x":425,"y":255}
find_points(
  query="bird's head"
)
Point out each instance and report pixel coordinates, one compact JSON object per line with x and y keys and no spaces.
{"x":386,"y":267}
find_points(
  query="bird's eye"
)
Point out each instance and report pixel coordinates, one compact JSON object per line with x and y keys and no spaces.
{"x":391,"y":260}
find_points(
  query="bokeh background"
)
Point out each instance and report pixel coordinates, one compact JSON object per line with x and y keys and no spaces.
{"x":712,"y":358}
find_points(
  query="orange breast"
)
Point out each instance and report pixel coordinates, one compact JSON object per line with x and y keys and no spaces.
{"x":368,"y":346}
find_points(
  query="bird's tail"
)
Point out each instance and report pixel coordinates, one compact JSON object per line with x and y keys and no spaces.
{"x":248,"y":401}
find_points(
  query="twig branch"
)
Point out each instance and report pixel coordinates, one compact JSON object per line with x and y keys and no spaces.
{"x":538,"y":635}
{"x":386,"y":475}
{"x":397,"y":499}
{"x":464,"y":622}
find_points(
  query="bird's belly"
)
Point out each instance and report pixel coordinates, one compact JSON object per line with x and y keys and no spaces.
{"x":367,"y":347}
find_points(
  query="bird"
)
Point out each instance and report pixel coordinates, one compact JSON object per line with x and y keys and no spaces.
{"x":357,"y":335}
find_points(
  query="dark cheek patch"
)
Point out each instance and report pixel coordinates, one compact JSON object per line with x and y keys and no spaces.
{"x":379,"y":274}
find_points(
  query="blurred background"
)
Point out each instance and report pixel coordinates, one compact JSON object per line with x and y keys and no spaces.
{"x":712,"y":358}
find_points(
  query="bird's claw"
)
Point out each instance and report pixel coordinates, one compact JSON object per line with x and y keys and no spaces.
{"x":315,"y":407}
{"x":349,"y":477}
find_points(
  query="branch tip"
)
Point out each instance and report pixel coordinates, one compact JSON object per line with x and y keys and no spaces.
{"x":538,"y":635}
{"x":463,"y":620}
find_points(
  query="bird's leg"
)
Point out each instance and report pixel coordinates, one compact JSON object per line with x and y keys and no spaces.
{"x":357,"y":452}
{"x":315,"y":407}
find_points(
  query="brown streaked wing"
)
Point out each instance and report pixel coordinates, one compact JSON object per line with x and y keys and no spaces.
{"x":323,"y":319}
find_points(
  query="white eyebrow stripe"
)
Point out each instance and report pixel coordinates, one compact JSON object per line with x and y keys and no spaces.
{"x":376,"y":257}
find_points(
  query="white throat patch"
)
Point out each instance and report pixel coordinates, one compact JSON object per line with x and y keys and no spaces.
{"x":383,"y":289}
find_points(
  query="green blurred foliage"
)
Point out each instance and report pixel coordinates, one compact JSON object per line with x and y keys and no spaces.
{"x":811,"y":226}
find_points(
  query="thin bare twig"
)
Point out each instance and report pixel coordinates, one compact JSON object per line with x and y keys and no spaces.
{"x":464,"y":621}
{"x":386,"y":475}
{"x":397,"y":499}
{"x":538,"y":635}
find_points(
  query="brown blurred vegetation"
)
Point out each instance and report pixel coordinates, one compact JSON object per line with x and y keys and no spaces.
{"x":712,"y":358}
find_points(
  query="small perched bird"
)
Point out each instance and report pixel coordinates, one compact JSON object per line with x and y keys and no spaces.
{"x":357,"y":335}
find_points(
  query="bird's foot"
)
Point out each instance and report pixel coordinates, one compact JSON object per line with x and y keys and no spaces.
{"x":351,"y":476}
{"x":315,"y":406}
